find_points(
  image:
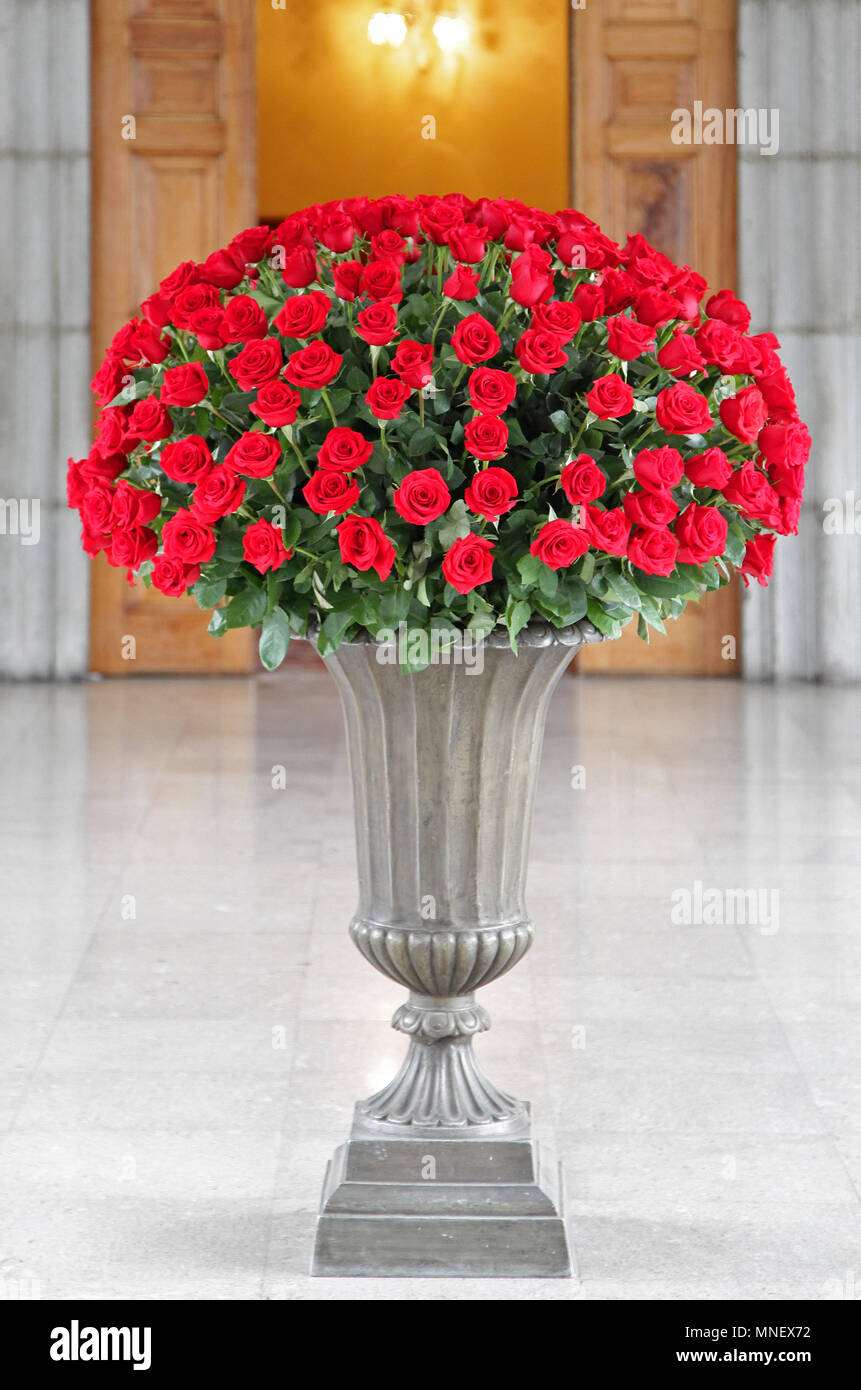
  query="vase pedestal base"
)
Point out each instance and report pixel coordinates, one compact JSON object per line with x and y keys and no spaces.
{"x":439,"y":1206}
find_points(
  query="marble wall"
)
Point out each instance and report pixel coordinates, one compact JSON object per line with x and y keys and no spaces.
{"x":800,"y":271}
{"x":44,"y":332}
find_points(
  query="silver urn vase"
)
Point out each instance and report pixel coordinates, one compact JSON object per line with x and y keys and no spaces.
{"x":441,"y":1174}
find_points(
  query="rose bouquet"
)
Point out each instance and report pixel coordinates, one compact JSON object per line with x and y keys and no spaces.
{"x":447,"y":413}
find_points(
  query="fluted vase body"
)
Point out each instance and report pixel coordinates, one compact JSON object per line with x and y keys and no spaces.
{"x":444,"y":765}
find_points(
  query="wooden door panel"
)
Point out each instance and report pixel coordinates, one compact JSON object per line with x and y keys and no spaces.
{"x":184,"y":69}
{"x":635,"y":62}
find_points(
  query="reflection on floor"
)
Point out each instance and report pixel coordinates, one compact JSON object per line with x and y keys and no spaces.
{"x":185,"y":1025}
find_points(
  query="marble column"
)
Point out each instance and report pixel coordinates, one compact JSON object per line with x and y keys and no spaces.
{"x":800,"y":271}
{"x":44,"y":331}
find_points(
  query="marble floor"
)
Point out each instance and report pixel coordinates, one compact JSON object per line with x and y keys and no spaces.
{"x":185,"y":1025}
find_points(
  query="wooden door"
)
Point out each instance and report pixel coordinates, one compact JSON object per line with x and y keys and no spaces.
{"x":172,"y":183}
{"x":634,"y":63}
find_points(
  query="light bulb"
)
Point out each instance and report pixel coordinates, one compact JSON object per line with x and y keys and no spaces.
{"x":451,"y":33}
{"x":386,"y":27}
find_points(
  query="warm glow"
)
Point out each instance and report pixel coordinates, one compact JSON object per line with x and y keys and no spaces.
{"x":385,"y":27}
{"x":451,"y":33}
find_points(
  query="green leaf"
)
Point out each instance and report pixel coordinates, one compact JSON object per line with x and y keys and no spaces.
{"x":625,"y":592}
{"x":332,"y":629}
{"x":209,"y":591}
{"x":247,"y":608}
{"x":602,"y":620}
{"x":529,"y":567}
{"x":423,"y":442}
{"x":560,"y":421}
{"x":217,"y":623}
{"x":274,"y":639}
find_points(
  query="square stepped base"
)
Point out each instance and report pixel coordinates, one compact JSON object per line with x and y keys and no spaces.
{"x":441,"y":1208}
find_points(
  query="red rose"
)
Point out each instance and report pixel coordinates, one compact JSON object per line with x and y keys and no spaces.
{"x":491,"y":391}
{"x":389,"y":245}
{"x":422,"y":496}
{"x":114,"y":433}
{"x":750,"y":491}
{"x":765,"y":345}
{"x":438,"y":217}
{"x":785,"y":443}
{"x":263,"y":546}
{"x":701,"y":533}
{"x":363,"y":543}
{"x":610,"y":397}
{"x":582,"y":480}
{"x":711,"y":469}
{"x":680,"y":355}
{"x":276,"y":403}
{"x":461,"y":284}
{"x":378,"y":323}
{"x":344,"y":449}
{"x":540,"y":352}
{"x":255,"y":455}
{"x":185,"y":537}
{"x":191,"y":300}
{"x":589,"y":299}
{"x":531,"y":276}
{"x":658,"y":469}
{"x":681,"y":409}
{"x":260,"y":361}
{"x":252,"y":244}
{"x":653,"y":549}
{"x":77,"y":486}
{"x":100,"y":468}
{"x":300,"y":268}
{"x":219,"y":493}
{"x":468,"y":242}
{"x":559,"y":317}
{"x":779,"y":395}
{"x":205,"y":326}
{"x":130,"y":548}
{"x":381,"y":280}
{"x":475,"y":340}
{"x":97,"y":508}
{"x":744,"y":414}
{"x":184,"y":385}
{"x":150,"y":420}
{"x":313,"y":366}
{"x":386,"y":397}
{"x":486,"y":437}
{"x":492,"y":492}
{"x":172,"y":577}
{"x":469,"y":562}
{"x":330,"y":490}
{"x":337,"y":232}
{"x":347,"y":276}
{"x":303,"y":314}
{"x":724,"y":345}
{"x":109,"y":379}
{"x":787,"y":479}
{"x":134,"y":506}
{"x":656,"y":307}
{"x":559,"y":543}
{"x":607,"y":531}
{"x":413,"y":363}
{"x":724,"y":305}
{"x":223,"y":268}
{"x":650,"y":508}
{"x":758,"y":561}
{"x":186,"y":460}
{"x":186,"y":273}
{"x":243,"y":319}
{"x":628,"y":339}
